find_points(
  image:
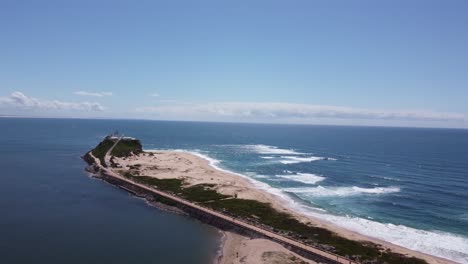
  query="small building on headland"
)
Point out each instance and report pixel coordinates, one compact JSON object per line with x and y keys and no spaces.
{"x":116,"y":136}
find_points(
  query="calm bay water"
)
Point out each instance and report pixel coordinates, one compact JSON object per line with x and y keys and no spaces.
{"x":407,"y":186}
{"x":53,"y":212}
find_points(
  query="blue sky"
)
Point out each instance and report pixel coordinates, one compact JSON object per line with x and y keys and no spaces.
{"x":402,"y":63}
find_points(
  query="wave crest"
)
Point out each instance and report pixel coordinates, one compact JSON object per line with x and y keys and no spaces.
{"x":266,"y":149}
{"x":448,"y":245}
{"x":321,"y":191}
{"x":295,"y":159}
{"x":308,"y":178}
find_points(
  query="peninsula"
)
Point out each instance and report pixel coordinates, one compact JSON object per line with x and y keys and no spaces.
{"x":258,"y":227}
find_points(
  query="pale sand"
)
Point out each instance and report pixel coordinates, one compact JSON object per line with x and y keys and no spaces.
{"x":242,"y":250}
{"x":196,"y":170}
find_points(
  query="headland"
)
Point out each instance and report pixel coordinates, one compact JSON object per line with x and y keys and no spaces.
{"x":258,"y":226}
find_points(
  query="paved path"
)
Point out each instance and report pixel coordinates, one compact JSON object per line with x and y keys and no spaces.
{"x":107,"y":157}
{"x":266,"y":233}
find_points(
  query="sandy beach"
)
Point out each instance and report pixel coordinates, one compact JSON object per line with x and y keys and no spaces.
{"x":238,"y":249}
{"x":194,"y":170}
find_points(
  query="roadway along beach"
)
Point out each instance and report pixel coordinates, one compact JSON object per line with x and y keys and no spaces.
{"x":194,"y":170}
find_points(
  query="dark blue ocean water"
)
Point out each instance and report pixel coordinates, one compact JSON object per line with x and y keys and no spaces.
{"x":404,"y":185}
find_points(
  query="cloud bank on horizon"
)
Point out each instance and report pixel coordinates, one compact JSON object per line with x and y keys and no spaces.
{"x":279,"y":112}
{"x":273,"y":111}
{"x":18,"y":100}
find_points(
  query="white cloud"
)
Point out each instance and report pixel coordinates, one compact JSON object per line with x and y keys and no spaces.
{"x":288,"y":111}
{"x":95,"y":94}
{"x":21,"y":101}
{"x":154,"y":94}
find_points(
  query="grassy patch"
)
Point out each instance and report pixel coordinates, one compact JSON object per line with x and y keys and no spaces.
{"x":122,"y":149}
{"x":196,"y":193}
{"x":168,"y":185}
{"x":125,"y":147}
{"x":101,"y":149}
{"x":201,"y":193}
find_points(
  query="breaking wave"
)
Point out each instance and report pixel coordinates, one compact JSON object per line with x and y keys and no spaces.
{"x":284,"y":156}
{"x":267,"y":157}
{"x":321,"y":191}
{"x":265,"y":149}
{"x":295,"y":159}
{"x":303,"y":177}
{"x":448,"y":245}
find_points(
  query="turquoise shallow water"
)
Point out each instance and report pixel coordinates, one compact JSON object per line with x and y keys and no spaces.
{"x":407,"y":186}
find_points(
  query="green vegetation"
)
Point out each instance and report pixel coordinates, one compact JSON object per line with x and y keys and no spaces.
{"x":263,"y":214}
{"x":122,"y":149}
{"x":169,"y":185}
{"x":101,"y":149}
{"x":195,"y":193}
{"x":202,"y":193}
{"x":125,"y":147}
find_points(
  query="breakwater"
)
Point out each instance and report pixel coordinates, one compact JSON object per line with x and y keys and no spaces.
{"x":211,"y":218}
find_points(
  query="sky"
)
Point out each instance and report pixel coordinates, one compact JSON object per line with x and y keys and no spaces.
{"x":384,"y":63}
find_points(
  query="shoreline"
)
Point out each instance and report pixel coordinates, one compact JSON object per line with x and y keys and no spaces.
{"x":279,"y":249}
{"x":238,"y":249}
{"x":222,"y":243}
{"x":283,"y":203}
{"x":175,"y":175}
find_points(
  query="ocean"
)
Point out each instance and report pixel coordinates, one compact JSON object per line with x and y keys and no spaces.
{"x":408,"y":186}
{"x":52,"y":211}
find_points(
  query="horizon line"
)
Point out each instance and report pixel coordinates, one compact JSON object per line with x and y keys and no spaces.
{"x":228,"y":122}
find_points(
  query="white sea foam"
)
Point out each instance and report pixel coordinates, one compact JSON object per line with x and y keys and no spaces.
{"x":267,"y":157}
{"x":321,"y":191}
{"x":448,"y":246}
{"x":308,"y":178}
{"x":265,"y":149}
{"x":295,"y":159}
{"x":257,"y":184}
{"x":213,"y":162}
{"x":285,"y":156}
